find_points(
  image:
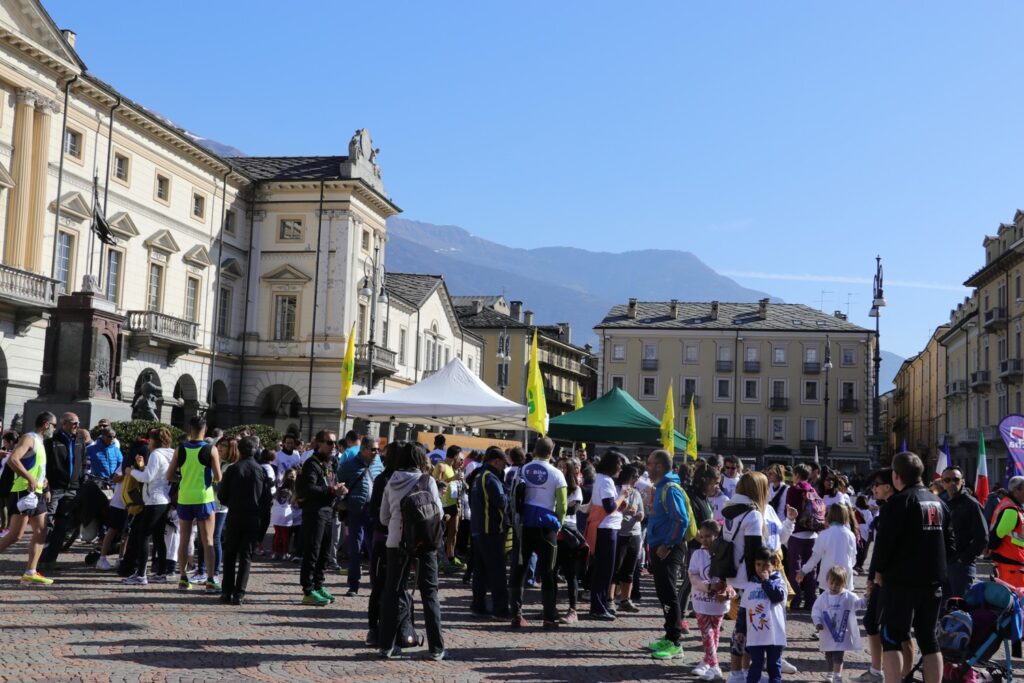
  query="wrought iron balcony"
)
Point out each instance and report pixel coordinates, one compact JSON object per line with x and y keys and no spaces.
{"x":751,"y":366}
{"x":980,"y":380}
{"x":849,"y":405}
{"x":955,"y":388}
{"x":723,"y":366}
{"x":741,"y":446}
{"x":995,"y":318}
{"x":383,"y":361}
{"x":158,"y":330}
{"x":32,"y":295}
{"x":564,"y":398}
{"x":812,"y":368}
{"x":649,"y":364}
{"x":779,"y":403}
{"x":1010,"y":370}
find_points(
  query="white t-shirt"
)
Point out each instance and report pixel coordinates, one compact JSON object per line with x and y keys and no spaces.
{"x":766,"y":622}
{"x":841,"y":498}
{"x":574,"y":497}
{"x":748,"y":523}
{"x":542,"y":480}
{"x":285,"y":461}
{"x":718,"y":504}
{"x":469,"y":467}
{"x":115,"y":500}
{"x":729,"y":485}
{"x":704,"y":602}
{"x":837,"y":614}
{"x":604,"y":487}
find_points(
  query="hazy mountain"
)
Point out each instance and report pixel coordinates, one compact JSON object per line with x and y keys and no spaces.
{"x":887,"y":371}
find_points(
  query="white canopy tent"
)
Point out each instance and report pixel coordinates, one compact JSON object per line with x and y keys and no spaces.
{"x":451,"y":397}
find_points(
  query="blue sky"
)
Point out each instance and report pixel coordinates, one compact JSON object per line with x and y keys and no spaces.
{"x":783,"y":143}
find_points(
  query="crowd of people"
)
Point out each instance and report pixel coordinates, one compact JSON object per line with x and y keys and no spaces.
{"x":720,"y":543}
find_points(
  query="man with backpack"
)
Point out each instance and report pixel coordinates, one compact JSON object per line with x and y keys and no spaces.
{"x":667,"y":528}
{"x":317,"y":492}
{"x":488,"y":528}
{"x":810,"y":520}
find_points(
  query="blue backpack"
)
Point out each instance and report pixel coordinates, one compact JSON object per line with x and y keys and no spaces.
{"x":955,"y":629}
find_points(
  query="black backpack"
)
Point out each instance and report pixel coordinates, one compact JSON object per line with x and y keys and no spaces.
{"x":421,"y":519}
{"x":722,"y":565}
{"x":6,"y":479}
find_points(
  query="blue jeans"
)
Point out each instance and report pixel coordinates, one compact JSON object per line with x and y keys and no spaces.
{"x":959,"y":577}
{"x":358,"y":531}
{"x":218,"y":548}
{"x":762,"y":656}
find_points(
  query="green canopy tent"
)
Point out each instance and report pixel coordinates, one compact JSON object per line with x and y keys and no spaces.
{"x":616,"y":417}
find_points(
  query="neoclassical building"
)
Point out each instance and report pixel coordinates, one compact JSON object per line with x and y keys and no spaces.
{"x":230,"y":285}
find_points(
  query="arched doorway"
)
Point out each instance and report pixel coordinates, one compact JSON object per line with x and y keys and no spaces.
{"x":186,"y":401}
{"x":281,"y":407}
{"x":219,"y":413}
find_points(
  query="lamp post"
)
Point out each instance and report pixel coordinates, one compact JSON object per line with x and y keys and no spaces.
{"x":877,"y":302}
{"x":828,"y":367}
{"x":372,"y":283}
{"x":504,"y":346}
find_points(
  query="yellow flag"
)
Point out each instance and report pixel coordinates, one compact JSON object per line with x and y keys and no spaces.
{"x":668,"y":423}
{"x":691,"y":433}
{"x":348,"y":367}
{"x":536,"y":403}
{"x":579,"y":404}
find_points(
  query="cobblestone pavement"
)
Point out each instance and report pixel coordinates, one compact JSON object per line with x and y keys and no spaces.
{"x":89,"y":627}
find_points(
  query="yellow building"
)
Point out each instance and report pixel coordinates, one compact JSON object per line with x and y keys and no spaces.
{"x":919,"y":416}
{"x":766,"y":378}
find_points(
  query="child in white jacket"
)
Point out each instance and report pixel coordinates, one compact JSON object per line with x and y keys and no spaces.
{"x":836,"y":546}
{"x":834,"y":616}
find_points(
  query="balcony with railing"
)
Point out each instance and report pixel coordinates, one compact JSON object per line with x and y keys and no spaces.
{"x":849,"y":405}
{"x":778,"y":403}
{"x":649,"y":364}
{"x":152,"y":329}
{"x":553,"y":360}
{"x":30,"y":294}
{"x":957,"y":387}
{"x":752,"y":366}
{"x":742,"y":446}
{"x":812,"y":368}
{"x":684,"y":400}
{"x":563,"y":399}
{"x":1010,"y":370}
{"x":980,"y":380}
{"x":995,"y":318}
{"x":384,"y":362}
{"x":723,"y":366}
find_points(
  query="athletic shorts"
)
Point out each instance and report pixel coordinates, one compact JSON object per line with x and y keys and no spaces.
{"x":870,"y":620}
{"x":12,"y":504}
{"x":903,"y":607}
{"x":195,"y":513}
{"x":451,"y":511}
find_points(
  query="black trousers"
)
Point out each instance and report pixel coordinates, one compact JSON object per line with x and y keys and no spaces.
{"x":406,"y":631}
{"x":240,"y":535}
{"x":542,"y":542}
{"x":489,"y":574}
{"x":666,"y":579}
{"x":62,"y":506}
{"x":395,"y":612}
{"x":316,"y":546}
{"x":152,"y":522}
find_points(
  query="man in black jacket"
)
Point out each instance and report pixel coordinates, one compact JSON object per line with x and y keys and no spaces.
{"x":66,"y":465}
{"x":914,"y":539}
{"x":970,"y":531}
{"x":317,"y":492}
{"x":241,"y":491}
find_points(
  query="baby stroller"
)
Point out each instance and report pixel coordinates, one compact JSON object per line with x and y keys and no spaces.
{"x":975,"y":628}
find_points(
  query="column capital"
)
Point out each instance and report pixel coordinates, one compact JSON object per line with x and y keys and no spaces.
{"x":48,"y":106}
{"x":27,"y":96}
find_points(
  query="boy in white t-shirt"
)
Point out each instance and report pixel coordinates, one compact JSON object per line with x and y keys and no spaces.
{"x":834,"y":617}
{"x":710,"y":599}
{"x":765,"y":602}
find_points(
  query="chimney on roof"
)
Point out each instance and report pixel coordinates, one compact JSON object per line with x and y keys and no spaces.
{"x":762,"y":309}
{"x":673,"y":309}
{"x":516,"y":310}
{"x":632,"y":308}
{"x":714,"y":310}
{"x":839,"y":315}
{"x":478,"y":306}
{"x":528,"y":317}
{"x":69,"y":35}
{"x":565,"y":333}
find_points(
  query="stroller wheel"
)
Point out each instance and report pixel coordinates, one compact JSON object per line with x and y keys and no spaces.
{"x":91,"y":558}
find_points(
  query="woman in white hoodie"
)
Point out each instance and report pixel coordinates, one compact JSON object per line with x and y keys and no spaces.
{"x":156,"y":498}
{"x":412,"y":469}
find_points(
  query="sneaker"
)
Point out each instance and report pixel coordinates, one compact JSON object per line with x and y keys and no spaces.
{"x":518,"y":621}
{"x":351,"y":592}
{"x":295,"y":559}
{"x":551,"y":625}
{"x":325,"y":594}
{"x":869,"y":676}
{"x":607,"y":616}
{"x":158,"y":578}
{"x":35,"y":579}
{"x":788,"y":668}
{"x":199,"y":577}
{"x":371,"y":639}
{"x":212,"y":586}
{"x":570,"y":617}
{"x":672,"y":651}
{"x":438,"y":655}
{"x":712,"y":674}
{"x":184,"y":584}
{"x":659,"y":644}
{"x":628,"y":606}
{"x":738,"y":676}
{"x":135,"y":580}
{"x":103,"y":563}
{"x":700,"y":669}
{"x":315,"y":599}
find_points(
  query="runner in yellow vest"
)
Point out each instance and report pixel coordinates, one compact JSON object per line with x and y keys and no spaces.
{"x":26,"y":502}
{"x":197,"y":464}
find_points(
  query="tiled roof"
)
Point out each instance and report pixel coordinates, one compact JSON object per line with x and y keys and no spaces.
{"x":291,"y":168}
{"x":486,"y":299}
{"x":731,"y":316}
{"x":413,"y":287}
{"x":488,"y":318}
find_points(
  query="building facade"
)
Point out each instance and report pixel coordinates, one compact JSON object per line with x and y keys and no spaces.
{"x":919,"y":406}
{"x":757,"y":374}
{"x":237,"y":279}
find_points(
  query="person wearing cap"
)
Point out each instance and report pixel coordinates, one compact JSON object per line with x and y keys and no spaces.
{"x":26,"y":505}
{"x":488,"y":504}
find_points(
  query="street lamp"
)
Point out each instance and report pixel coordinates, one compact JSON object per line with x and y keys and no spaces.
{"x":372,"y":282}
{"x":877,"y":302}
{"x":504,"y":357}
{"x":827,"y":366}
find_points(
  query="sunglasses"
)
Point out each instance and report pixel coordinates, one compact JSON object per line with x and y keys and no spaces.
{"x":950,"y":480}
{"x":328,"y":442}
{"x":729,"y":467}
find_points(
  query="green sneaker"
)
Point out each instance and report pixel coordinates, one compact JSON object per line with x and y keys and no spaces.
{"x":672,"y":651}
{"x":184,"y":584}
{"x":660,"y":644}
{"x":325,"y":594}
{"x":212,"y":586}
{"x":315,"y":599}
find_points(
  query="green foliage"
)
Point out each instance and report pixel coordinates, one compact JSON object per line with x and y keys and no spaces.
{"x":267,"y":435}
{"x":130,"y":430}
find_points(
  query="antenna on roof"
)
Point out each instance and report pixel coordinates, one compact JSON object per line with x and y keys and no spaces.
{"x":821,"y":305}
{"x":849,"y":299}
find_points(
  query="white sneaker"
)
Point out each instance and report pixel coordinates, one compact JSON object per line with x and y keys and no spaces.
{"x":699,"y":670}
{"x":713,"y":673}
{"x":158,"y":578}
{"x":788,"y":668}
{"x":739,"y":676}
{"x":103,"y":563}
{"x":136,"y":580}
{"x":198,"y":577}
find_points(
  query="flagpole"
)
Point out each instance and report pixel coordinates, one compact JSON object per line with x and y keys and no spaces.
{"x":95,"y":200}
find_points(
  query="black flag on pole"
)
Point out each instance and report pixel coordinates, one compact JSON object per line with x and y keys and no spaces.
{"x":99,"y":226}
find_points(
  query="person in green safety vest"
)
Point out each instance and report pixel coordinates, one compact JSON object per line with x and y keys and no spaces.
{"x":197,"y":464}
{"x":26,"y":502}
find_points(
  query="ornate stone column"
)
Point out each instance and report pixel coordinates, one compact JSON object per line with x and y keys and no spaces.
{"x":19,"y":208}
{"x":40,"y":160}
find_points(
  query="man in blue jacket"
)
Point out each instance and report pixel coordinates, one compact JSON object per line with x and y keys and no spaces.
{"x":357,"y":473}
{"x":488,"y":503}
{"x":666,"y":530}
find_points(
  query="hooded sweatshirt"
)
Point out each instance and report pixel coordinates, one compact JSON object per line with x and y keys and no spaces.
{"x":399,"y":486}
{"x":744,"y":527}
{"x":157,"y":489}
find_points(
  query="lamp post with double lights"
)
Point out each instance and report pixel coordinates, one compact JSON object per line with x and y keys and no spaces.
{"x":877,"y":302}
{"x":828,"y":367}
{"x":504,"y":357}
{"x":373,"y":282}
